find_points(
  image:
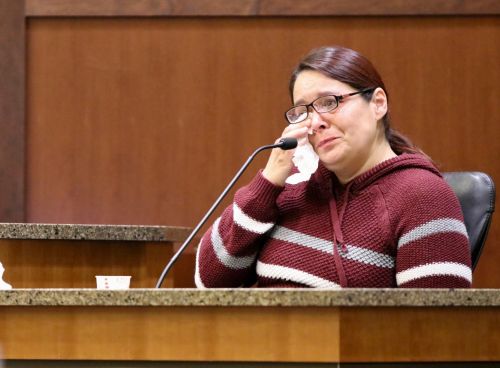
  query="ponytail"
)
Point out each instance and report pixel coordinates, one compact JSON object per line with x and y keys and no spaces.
{"x":399,"y":143}
{"x":402,"y":144}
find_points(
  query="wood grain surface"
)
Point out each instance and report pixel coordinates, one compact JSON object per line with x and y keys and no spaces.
{"x":12,"y":110}
{"x":55,"y":8}
{"x":254,"y":334}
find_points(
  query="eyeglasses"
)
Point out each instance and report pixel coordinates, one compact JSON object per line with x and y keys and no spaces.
{"x":321,"y":105}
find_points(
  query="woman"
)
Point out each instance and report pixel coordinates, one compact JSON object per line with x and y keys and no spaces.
{"x":376,"y":212}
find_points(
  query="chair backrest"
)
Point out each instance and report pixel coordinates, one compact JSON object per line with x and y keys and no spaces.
{"x":476,"y":193}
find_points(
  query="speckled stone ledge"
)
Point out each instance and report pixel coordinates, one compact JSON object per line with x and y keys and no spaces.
{"x":253,"y":297}
{"x":92,"y":232}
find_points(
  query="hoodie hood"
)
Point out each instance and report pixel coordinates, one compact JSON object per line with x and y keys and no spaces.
{"x":326,"y":179}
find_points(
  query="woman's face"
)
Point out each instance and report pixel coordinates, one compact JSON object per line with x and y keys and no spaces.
{"x":344,"y":138}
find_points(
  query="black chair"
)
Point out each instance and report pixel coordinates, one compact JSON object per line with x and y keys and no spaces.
{"x":476,"y":193}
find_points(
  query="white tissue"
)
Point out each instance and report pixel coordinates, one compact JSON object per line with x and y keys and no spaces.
{"x":306,"y":161}
{"x":3,"y":284}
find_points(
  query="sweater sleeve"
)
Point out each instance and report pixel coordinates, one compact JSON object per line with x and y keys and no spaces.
{"x":228,"y":251}
{"x":432,"y":246}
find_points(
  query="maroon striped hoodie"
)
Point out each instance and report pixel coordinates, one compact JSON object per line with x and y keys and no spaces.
{"x":396,"y":225}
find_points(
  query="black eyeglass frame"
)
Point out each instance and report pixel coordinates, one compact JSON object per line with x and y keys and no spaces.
{"x":338,"y":99}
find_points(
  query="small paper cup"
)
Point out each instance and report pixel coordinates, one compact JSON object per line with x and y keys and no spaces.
{"x":113,"y":282}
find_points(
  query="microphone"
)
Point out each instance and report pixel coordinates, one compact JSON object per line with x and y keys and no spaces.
{"x":284,"y":144}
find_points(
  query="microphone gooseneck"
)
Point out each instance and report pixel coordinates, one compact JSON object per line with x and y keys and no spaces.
{"x":284,"y":144}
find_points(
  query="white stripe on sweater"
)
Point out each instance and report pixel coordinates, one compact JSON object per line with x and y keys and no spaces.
{"x":353,"y":253}
{"x":444,"y":225}
{"x":368,"y":256}
{"x":292,"y":236}
{"x":223,"y":255}
{"x":248,"y":223}
{"x":434,"y":269}
{"x":292,"y":274}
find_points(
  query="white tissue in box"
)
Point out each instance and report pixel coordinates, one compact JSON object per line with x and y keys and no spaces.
{"x":3,"y":284}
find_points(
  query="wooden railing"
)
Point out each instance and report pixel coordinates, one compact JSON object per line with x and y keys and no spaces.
{"x":305,"y":326}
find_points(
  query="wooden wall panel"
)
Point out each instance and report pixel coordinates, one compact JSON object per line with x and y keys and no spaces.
{"x":411,"y":334}
{"x":134,"y":336}
{"x":51,"y":8}
{"x":209,"y":336}
{"x":12,"y":89}
{"x":75,"y":263}
{"x":146,"y":120}
{"x":377,"y":7}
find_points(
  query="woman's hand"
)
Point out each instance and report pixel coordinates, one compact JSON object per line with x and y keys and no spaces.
{"x":280,"y":163}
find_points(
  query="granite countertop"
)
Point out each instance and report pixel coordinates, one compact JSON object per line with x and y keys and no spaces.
{"x":252,"y":297}
{"x":92,"y":232}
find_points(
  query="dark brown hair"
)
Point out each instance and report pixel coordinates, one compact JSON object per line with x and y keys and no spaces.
{"x":350,"y":67}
